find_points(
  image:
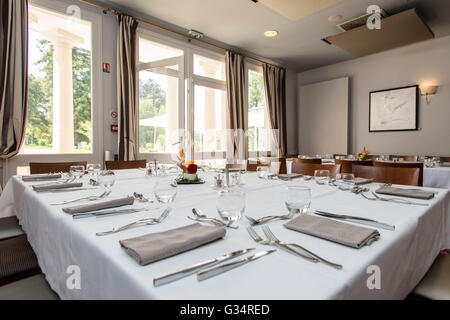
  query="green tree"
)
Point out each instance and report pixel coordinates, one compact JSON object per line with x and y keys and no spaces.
{"x":256,"y":91}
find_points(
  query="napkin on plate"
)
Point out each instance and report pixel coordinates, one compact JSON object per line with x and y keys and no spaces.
{"x":157,"y":246}
{"x":41,"y":177}
{"x":56,"y":186}
{"x":99,"y":206}
{"x":417,"y":194}
{"x":361,"y":181}
{"x":343,"y":233}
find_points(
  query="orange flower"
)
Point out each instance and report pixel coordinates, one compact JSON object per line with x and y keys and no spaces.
{"x":188,"y":163}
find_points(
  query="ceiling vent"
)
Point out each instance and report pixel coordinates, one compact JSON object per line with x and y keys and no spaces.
{"x":358,"y":22}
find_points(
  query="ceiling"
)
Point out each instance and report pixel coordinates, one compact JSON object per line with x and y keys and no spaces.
{"x":240,"y":24}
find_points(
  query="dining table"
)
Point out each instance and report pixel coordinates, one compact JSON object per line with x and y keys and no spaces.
{"x":400,"y":258}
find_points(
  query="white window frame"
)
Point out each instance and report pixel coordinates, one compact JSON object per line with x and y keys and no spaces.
{"x":185,"y":91}
{"x":23,"y":160}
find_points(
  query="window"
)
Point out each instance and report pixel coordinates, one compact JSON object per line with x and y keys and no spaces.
{"x":182,"y":89}
{"x":258,"y":122}
{"x":59,"y":118}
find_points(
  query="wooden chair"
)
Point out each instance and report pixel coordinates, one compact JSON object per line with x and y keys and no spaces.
{"x":436,"y":283}
{"x":445,"y":159}
{"x":403,"y":176}
{"x":309,"y":168}
{"x":346,"y":165}
{"x":402,"y":165}
{"x":122,"y":165}
{"x":48,"y":167}
{"x":17,"y":260}
{"x":405,"y":158}
{"x":308,"y":160}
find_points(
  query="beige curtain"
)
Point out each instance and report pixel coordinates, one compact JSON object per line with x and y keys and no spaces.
{"x":127,"y":87}
{"x":13,"y":75}
{"x":237,"y":105}
{"x":275,"y":88}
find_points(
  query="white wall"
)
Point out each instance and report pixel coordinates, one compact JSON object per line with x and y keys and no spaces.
{"x":422,"y":63}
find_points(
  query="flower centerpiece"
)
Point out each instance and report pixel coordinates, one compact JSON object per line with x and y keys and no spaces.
{"x":363,"y":154}
{"x":189,"y":168}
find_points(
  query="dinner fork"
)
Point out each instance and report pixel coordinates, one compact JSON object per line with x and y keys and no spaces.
{"x":399,"y":200}
{"x":260,"y":240}
{"x":273,"y":238}
{"x":268,"y":218}
{"x":90,"y":198}
{"x":146,"y":221}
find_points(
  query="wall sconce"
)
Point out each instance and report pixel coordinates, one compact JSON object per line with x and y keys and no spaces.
{"x":428,"y":91}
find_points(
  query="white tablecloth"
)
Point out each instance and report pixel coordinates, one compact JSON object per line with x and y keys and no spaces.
{"x":438,"y":177}
{"x":107,"y":272}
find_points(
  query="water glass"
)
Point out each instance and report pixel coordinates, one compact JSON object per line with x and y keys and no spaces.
{"x":77,"y":171}
{"x":94,"y":169}
{"x":345,"y":181}
{"x":322,"y":176}
{"x":262,"y":172}
{"x":165,"y":192}
{"x":297,"y":199}
{"x":289,"y":166}
{"x":231,"y":204}
{"x":236,"y":179}
{"x":106,"y":179}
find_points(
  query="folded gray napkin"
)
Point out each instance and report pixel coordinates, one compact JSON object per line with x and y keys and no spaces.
{"x":289,"y":176}
{"x":157,"y":246}
{"x":41,"y":177}
{"x":361,"y":181}
{"x":99,"y":206}
{"x":343,"y":233}
{"x":417,"y":194}
{"x":56,"y":186}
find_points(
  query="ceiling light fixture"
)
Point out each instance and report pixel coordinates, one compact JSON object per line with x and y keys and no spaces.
{"x":271,"y":33}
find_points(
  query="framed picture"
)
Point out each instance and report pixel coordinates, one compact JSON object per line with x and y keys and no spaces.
{"x":394,"y":109}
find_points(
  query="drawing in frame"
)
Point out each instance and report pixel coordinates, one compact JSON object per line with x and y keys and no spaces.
{"x":394,"y":109}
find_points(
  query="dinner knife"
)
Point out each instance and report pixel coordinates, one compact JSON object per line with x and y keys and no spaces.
{"x":170,"y":277}
{"x":359,"y":220}
{"x":209,"y":273}
{"x":104,"y":213}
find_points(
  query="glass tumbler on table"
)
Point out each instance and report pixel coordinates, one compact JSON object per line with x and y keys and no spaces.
{"x":322,"y":176}
{"x":230,"y":204}
{"x":345,"y":181}
{"x":106,"y":179}
{"x":262,"y":172}
{"x":297,"y":199}
{"x":165,"y":191}
{"x":77,"y":171}
{"x":93,"y":170}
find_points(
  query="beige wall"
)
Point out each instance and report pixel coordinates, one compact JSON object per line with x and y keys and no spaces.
{"x":323,"y":117}
{"x":425,"y":62}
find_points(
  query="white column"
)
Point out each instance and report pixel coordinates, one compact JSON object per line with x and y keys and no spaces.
{"x":210,"y":108}
{"x":171,"y":111}
{"x":63,"y":133}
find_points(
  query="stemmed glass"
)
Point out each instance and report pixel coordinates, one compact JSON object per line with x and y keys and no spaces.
{"x":77,"y":171}
{"x":106,"y":179}
{"x":322,"y":176}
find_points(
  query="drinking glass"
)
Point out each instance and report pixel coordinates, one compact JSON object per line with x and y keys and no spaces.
{"x":231,"y":204}
{"x":322,"y":176}
{"x":297,"y":199}
{"x":345,"y":181}
{"x":165,"y":191}
{"x":262,"y":172}
{"x":236,"y":179}
{"x":289,"y":166}
{"x":106,"y":178}
{"x":77,"y":171}
{"x":94,"y":169}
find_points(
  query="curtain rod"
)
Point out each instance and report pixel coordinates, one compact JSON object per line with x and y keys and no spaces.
{"x":176,"y":32}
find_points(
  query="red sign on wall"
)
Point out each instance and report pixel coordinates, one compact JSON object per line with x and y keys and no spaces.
{"x":114,"y":128}
{"x":106,"y":67}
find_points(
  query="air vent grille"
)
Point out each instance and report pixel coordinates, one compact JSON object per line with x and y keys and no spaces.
{"x":358,"y":22}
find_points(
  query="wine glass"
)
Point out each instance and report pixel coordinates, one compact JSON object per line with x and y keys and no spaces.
{"x":106,"y":179}
{"x":77,"y":171}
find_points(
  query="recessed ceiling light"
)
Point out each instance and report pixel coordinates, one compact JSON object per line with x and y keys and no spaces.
{"x":335,"y":18}
{"x":271,"y":33}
